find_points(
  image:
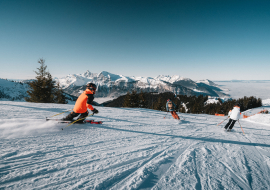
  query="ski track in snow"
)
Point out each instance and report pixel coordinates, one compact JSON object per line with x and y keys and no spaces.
{"x":132,"y":149}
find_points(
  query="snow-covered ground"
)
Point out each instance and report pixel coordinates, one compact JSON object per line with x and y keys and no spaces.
{"x":102,"y":100}
{"x":212,"y":100}
{"x":132,"y":149}
{"x":266,"y":102}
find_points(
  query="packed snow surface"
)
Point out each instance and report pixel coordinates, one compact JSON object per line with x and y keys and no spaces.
{"x":132,"y":149}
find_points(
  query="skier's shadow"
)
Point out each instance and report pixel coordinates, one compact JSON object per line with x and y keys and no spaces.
{"x":56,"y":110}
{"x":256,"y":129}
{"x":188,"y":137}
{"x":122,"y":120}
{"x":184,"y":122}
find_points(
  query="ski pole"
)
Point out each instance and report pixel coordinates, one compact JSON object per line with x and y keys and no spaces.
{"x":241,"y":126}
{"x":77,"y":120}
{"x":222,"y":121}
{"x":60,"y":113}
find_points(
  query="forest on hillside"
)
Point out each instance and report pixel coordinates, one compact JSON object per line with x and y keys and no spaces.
{"x":184,"y":103}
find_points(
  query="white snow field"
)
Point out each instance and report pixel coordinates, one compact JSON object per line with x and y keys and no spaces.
{"x":132,"y":149}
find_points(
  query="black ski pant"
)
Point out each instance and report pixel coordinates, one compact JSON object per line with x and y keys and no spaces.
{"x":230,"y":124}
{"x":73,"y":114}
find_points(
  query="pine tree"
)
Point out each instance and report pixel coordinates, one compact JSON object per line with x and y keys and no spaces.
{"x":43,"y":89}
{"x":127,"y":102}
{"x":134,"y":99}
{"x":159,"y":105}
{"x":59,"y":95}
{"x":182,"y":109}
{"x":142,"y":100}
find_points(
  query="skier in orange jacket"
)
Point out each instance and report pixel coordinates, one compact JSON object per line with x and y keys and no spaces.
{"x":83,"y":102}
{"x":170,"y":106}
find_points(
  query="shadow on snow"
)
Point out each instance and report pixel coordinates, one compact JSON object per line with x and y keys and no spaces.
{"x":189,"y":137}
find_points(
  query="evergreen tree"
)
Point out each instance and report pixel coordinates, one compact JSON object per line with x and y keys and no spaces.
{"x":43,"y":89}
{"x":134,"y":99}
{"x":194,"y":104}
{"x":182,"y":109}
{"x":159,"y":105}
{"x":59,"y":95}
{"x":142,"y":100}
{"x":127,"y":100}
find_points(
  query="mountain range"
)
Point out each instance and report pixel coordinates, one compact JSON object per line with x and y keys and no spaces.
{"x":114,"y":85}
{"x":17,"y":91}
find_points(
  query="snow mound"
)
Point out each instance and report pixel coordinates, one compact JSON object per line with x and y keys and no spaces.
{"x":260,"y":118}
{"x":266,"y":102}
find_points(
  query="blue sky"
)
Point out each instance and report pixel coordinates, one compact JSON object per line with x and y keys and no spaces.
{"x":197,"y":39}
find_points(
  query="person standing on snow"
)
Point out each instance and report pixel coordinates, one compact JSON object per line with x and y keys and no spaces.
{"x":83,"y":102}
{"x":234,"y":115}
{"x":170,"y":106}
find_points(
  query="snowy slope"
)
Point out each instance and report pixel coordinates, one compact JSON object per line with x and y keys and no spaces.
{"x":266,"y":102}
{"x":208,"y":82}
{"x":133,"y":149}
{"x":12,"y":90}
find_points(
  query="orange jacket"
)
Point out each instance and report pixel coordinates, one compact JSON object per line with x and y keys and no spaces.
{"x":81,"y":103}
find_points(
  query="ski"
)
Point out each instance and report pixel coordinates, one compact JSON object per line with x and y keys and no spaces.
{"x":85,"y":121}
{"x":93,"y":122}
{"x":64,"y":121}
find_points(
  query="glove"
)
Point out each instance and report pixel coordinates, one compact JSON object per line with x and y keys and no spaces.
{"x":95,"y":111}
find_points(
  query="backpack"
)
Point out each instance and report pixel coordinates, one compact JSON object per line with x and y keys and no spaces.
{"x":170,"y":105}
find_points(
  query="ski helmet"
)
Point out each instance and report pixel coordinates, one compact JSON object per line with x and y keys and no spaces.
{"x":169,"y":100}
{"x":91,"y":86}
{"x":237,"y":104}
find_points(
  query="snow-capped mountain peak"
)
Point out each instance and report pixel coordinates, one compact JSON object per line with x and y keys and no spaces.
{"x":207,"y":81}
{"x":87,"y":74}
{"x":109,"y":76}
{"x":114,"y":85}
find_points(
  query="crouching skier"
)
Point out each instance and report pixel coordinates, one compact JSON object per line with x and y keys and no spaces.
{"x":170,"y":106}
{"x":234,"y":115}
{"x":83,"y":102}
